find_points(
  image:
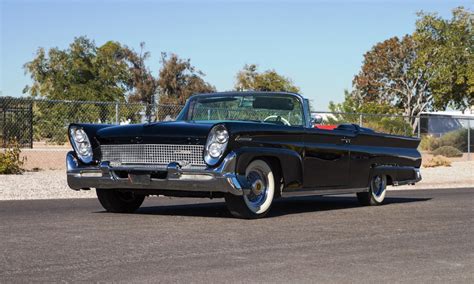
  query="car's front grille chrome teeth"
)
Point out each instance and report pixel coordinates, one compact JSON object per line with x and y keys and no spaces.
{"x":152,"y":154}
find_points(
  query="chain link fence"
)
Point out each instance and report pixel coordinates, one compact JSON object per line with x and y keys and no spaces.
{"x":28,"y":121}
{"x":33,"y":121}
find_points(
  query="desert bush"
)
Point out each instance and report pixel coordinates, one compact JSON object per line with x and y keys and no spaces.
{"x":437,"y":161}
{"x":429,"y":143}
{"x":10,"y":161}
{"x":447,"y":151}
{"x":456,"y":139}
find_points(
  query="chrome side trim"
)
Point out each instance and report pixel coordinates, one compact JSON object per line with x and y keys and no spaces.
{"x":310,"y":192}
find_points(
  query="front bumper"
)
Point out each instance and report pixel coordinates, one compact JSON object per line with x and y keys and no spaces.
{"x":220,"y":179}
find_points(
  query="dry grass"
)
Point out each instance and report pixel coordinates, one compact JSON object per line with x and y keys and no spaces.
{"x":437,"y":161}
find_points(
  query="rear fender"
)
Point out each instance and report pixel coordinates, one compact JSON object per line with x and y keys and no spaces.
{"x":396,"y":174}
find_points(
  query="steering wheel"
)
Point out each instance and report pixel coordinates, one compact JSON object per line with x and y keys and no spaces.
{"x":278,"y":119}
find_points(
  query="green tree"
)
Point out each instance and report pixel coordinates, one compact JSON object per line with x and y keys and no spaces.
{"x":249,"y":79}
{"x":446,"y":49}
{"x":390,"y":76}
{"x":83,"y":71}
{"x":431,"y":69}
{"x":178,"y":80}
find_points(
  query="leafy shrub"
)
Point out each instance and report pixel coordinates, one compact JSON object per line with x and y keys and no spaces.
{"x":456,"y":139}
{"x":447,"y":151}
{"x":437,"y":161}
{"x":10,"y":161}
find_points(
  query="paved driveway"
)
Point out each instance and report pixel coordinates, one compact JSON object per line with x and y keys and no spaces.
{"x":419,"y":236}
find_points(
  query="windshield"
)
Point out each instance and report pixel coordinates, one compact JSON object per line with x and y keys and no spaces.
{"x":277,"y":109}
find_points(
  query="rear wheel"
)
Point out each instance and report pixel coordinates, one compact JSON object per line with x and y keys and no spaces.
{"x":118,"y":201}
{"x":258,"y":201}
{"x":376,"y":193}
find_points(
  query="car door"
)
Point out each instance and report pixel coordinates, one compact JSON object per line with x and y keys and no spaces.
{"x":327,"y":158}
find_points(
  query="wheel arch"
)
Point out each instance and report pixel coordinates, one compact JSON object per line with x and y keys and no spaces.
{"x":287,"y":162}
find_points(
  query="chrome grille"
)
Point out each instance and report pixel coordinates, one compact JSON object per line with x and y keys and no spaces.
{"x":152,"y":154}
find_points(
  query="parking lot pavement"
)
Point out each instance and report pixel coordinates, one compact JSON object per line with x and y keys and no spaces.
{"x":418,"y":236}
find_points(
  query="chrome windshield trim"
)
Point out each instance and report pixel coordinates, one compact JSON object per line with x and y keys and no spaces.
{"x":184,"y":115}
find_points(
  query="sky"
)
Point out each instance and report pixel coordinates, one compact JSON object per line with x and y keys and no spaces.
{"x":318,"y":44}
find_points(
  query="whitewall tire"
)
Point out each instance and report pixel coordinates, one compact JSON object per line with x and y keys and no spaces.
{"x":376,"y":193}
{"x":257,"y":203}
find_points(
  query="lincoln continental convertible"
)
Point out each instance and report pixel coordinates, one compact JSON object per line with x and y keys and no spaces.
{"x":249,"y":148}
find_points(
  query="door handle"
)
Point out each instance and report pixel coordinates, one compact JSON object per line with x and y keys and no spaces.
{"x":346,"y":141}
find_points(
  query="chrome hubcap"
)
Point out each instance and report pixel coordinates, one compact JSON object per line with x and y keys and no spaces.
{"x":378,"y":186}
{"x":258,"y":187}
{"x":258,"y":182}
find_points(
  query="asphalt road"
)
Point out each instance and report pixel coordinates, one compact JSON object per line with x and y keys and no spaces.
{"x":418,"y":236}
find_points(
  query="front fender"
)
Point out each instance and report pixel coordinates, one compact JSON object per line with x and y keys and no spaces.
{"x":290,"y":161}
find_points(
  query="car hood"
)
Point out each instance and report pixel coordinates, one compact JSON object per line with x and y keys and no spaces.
{"x":172,"y":132}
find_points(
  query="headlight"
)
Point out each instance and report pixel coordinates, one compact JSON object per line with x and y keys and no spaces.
{"x":216,"y":144}
{"x":81,"y":144}
{"x":79,"y":135}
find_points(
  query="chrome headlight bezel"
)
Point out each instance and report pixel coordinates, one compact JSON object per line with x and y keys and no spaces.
{"x":81,"y":144}
{"x":216,"y":144}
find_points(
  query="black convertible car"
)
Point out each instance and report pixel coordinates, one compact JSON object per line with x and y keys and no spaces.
{"x":247,"y":147}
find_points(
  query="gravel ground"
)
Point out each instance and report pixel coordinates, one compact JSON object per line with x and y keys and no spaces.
{"x":48,"y":184}
{"x":460,"y":174}
{"x":51,"y":184}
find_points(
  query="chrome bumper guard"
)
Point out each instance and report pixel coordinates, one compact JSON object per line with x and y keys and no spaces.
{"x":220,"y":179}
{"x":418,"y":178}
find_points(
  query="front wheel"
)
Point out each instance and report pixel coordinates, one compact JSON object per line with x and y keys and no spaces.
{"x":376,"y":193}
{"x":258,"y":201}
{"x":118,"y":201}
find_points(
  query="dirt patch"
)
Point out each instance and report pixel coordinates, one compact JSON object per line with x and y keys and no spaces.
{"x":464,"y":158}
{"x":45,"y":158}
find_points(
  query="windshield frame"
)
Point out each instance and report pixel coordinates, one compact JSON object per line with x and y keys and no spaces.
{"x":187,"y":111}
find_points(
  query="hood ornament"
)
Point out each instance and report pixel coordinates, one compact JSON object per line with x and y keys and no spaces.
{"x":137,"y":140}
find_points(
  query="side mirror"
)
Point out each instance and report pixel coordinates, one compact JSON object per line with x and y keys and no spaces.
{"x":316,"y":119}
